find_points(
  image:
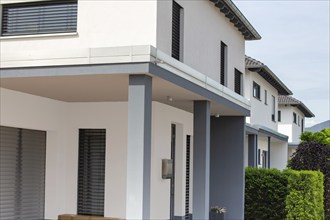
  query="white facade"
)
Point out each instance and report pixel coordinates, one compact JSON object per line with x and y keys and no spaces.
{"x":62,"y":120}
{"x":288,"y":126}
{"x":261,"y":109}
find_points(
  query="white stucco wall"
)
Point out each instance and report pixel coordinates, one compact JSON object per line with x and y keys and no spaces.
{"x":99,"y":24}
{"x":204,"y":28}
{"x":263,"y":146}
{"x":62,"y":121}
{"x":278,"y":155}
{"x":287,"y":126}
{"x":261,"y":113}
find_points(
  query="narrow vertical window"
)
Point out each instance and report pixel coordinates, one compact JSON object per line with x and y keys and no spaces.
{"x":295,"y":118}
{"x":259,"y":156}
{"x":273,"y":108}
{"x":223,"y":64}
{"x":238,"y":82}
{"x":177,"y":31}
{"x":298,"y":120}
{"x":302,"y":125}
{"x":187,"y":202}
{"x":279,"y":116}
{"x":91,"y":172}
{"x":256,"y":90}
{"x":266,"y":97}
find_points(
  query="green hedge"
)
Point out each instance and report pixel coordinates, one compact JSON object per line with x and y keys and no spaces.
{"x":305,"y":198}
{"x":272,"y":194}
{"x":265,"y":193}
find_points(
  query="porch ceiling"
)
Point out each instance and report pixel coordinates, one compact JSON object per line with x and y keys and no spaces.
{"x":105,"y":88}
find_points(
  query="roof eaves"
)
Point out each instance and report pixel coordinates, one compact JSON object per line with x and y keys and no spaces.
{"x":237,"y":18}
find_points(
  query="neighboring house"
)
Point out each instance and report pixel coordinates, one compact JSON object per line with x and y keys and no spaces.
{"x":266,"y":146}
{"x":292,"y":120}
{"x":96,"y":94}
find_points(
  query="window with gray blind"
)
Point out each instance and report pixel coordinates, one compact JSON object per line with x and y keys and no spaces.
{"x":91,"y":172}
{"x":238,"y":82}
{"x":223,"y":63}
{"x":187,"y":194}
{"x":22,"y":171}
{"x":177,"y":27}
{"x":39,"y":18}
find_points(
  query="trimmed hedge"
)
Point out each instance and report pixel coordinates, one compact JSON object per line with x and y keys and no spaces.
{"x":305,"y":198}
{"x":265,"y":193}
{"x":272,"y":194}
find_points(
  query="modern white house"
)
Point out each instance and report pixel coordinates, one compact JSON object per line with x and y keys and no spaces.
{"x":99,"y":99}
{"x":291,"y":121}
{"x":265,"y":145}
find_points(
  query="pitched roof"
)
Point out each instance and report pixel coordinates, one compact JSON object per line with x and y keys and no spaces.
{"x":236,"y":17}
{"x":289,"y":100}
{"x":263,"y":70}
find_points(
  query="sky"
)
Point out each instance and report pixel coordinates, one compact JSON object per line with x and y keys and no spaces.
{"x":295,"y":46}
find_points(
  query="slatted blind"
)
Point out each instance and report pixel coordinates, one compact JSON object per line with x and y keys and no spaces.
{"x":176,"y":28}
{"x":238,"y":82}
{"x":39,"y":17}
{"x":22,"y":171}
{"x":223,"y":60}
{"x":91,"y":172}
{"x":187,"y":193}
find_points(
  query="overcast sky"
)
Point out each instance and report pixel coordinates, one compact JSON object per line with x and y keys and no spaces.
{"x":295,"y":46}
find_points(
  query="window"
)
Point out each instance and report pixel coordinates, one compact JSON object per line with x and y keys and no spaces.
{"x":298,"y":120}
{"x":302,"y":125}
{"x":177,"y":31}
{"x":256,"y":90}
{"x":39,"y":18}
{"x":188,"y":159}
{"x":266,"y":97}
{"x":279,"y":116}
{"x":223,"y":63}
{"x":22,"y":171}
{"x":91,"y":172}
{"x":264,"y":159}
{"x":238,"y":82}
{"x":273,"y":108}
{"x":295,"y":118}
{"x":259,"y":156}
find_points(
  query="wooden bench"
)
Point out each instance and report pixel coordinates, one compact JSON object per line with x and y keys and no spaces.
{"x":84,"y":217}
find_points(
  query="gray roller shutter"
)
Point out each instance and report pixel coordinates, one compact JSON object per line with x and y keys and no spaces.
{"x":176,"y":29}
{"x":39,"y":18}
{"x":238,"y":82}
{"x":223,"y":63}
{"x":91,"y":172}
{"x":22,"y":171}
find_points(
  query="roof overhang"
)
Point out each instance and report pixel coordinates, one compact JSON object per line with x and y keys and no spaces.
{"x":259,"y":129}
{"x":288,"y":100}
{"x":235,"y":16}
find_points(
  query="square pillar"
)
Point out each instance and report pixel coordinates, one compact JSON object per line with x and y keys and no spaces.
{"x":227,"y":171}
{"x":201,"y":160}
{"x":139,"y":147}
{"x":252,"y":150}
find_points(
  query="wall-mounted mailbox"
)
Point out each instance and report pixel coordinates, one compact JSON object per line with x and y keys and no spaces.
{"x":167,"y":168}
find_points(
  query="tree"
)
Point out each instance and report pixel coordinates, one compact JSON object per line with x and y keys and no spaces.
{"x":312,"y":155}
{"x":322,"y":137}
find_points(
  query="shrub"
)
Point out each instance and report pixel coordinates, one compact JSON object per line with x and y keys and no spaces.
{"x":305,"y":198}
{"x":272,"y":194}
{"x":314,"y":156}
{"x":265,"y":193}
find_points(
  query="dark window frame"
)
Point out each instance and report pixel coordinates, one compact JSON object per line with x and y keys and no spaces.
{"x":266,"y":97}
{"x":42,"y":17}
{"x":177,"y":31}
{"x":279,"y":116}
{"x":273,"y":108}
{"x":294,"y":118}
{"x":223,"y":63}
{"x":256,"y":90}
{"x":238,"y":82}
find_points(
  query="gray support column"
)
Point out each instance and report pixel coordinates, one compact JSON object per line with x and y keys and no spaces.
{"x":139,"y":147}
{"x":268,"y":152}
{"x":201,"y":160}
{"x":227,"y":176}
{"x":253,"y":150}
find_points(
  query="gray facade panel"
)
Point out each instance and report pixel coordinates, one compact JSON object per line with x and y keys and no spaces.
{"x":227,"y":165}
{"x":252,"y":150}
